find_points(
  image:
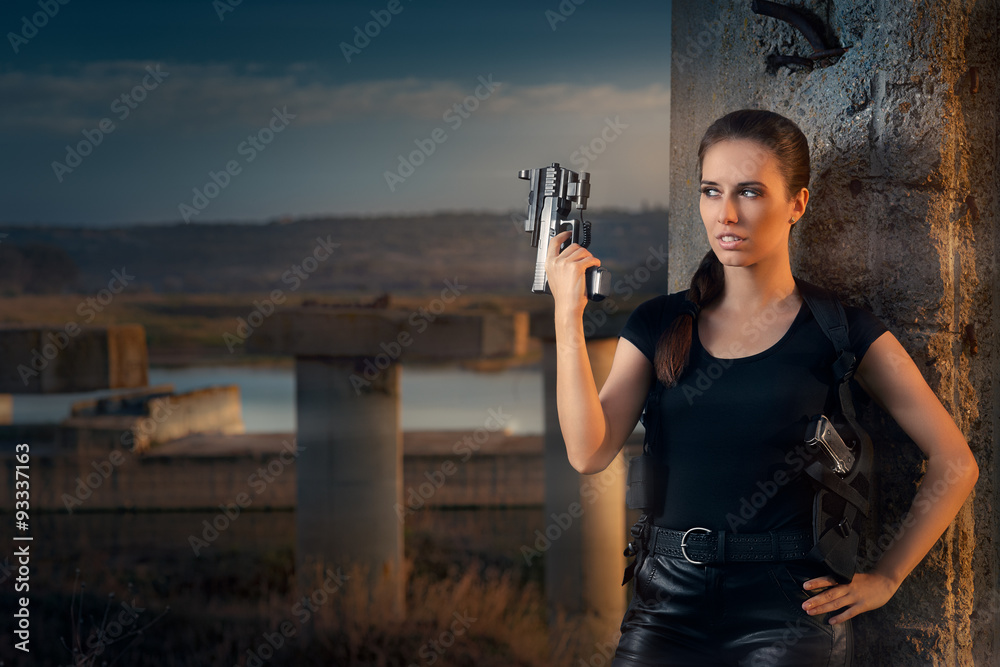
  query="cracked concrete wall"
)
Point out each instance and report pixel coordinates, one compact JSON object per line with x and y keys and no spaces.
{"x":902,"y":220}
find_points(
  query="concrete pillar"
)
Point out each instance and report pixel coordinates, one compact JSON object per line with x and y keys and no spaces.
{"x":349,"y":471}
{"x":38,"y":359}
{"x":902,"y":220}
{"x":584,"y":514}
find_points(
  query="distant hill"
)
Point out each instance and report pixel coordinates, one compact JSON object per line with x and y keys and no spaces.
{"x":392,"y":254}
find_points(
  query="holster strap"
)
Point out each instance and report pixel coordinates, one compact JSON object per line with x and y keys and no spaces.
{"x":825,"y":477}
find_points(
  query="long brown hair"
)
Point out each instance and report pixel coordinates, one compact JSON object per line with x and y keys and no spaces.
{"x":789,"y":146}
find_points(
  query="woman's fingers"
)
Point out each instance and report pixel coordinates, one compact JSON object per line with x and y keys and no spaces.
{"x":819,"y":582}
{"x":829,"y":600}
{"x":565,"y":270}
{"x":573,"y":252}
{"x":557,"y":241}
{"x":865,"y":592}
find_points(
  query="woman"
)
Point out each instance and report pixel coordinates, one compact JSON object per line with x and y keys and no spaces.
{"x":740,"y":364}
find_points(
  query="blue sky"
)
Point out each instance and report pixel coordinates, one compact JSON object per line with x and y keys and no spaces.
{"x":259,"y":110}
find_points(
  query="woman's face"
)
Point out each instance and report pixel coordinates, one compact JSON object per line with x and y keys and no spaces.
{"x":744,"y":203}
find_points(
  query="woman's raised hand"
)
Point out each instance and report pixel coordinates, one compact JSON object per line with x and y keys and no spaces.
{"x":566,"y":274}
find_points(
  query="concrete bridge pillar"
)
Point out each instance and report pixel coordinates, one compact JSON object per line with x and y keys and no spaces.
{"x":38,"y":359}
{"x":349,"y":469}
{"x":584,"y":527}
{"x":584,"y":514}
{"x":348,"y":368}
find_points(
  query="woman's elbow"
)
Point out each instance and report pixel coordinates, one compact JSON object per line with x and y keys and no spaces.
{"x":973,"y":470}
{"x":581,"y":465}
{"x":587,"y":465}
{"x":963,"y":471}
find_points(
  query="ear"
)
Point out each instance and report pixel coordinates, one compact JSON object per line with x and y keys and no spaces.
{"x":799,"y":202}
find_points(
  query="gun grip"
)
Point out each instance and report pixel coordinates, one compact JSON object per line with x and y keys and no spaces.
{"x":598,"y":283}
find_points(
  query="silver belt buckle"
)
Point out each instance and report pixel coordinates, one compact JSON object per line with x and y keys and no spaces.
{"x":684,"y":544}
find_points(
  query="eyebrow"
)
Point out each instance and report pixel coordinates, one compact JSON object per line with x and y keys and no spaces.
{"x":739,"y":185}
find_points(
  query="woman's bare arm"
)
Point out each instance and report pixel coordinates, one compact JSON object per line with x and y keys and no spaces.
{"x":889,"y":375}
{"x":594,"y":426}
{"x":891,"y":378}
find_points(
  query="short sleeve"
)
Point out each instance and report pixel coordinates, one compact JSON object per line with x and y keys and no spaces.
{"x":646,"y":323}
{"x":864,"y":329}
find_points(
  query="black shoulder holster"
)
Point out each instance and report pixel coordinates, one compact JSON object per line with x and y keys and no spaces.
{"x":841,"y":503}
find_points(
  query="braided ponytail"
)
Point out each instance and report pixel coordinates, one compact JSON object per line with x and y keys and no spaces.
{"x":674,"y":347}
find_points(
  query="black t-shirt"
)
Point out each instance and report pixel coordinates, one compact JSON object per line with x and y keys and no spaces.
{"x":729,"y":434}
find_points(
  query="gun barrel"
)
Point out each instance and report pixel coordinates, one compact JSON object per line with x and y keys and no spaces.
{"x":547,"y":228}
{"x":553,"y":192}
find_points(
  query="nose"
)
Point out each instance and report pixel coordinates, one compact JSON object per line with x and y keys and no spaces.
{"x":728,"y":214}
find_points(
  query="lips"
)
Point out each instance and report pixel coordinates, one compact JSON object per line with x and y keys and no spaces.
{"x":729,"y":241}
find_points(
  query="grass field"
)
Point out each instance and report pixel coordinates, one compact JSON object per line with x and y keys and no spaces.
{"x":118,"y":604}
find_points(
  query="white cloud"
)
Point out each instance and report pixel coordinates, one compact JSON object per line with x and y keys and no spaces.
{"x":198,"y":97}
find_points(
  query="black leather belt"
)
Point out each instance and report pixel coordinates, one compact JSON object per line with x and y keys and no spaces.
{"x":701,"y":545}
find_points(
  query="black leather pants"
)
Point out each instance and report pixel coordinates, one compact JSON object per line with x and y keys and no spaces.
{"x":745,"y":614}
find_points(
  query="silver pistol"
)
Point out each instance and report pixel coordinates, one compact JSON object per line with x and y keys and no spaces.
{"x":553,"y":192}
{"x":823,"y":440}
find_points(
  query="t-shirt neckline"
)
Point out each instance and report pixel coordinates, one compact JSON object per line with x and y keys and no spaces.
{"x":799,"y":316}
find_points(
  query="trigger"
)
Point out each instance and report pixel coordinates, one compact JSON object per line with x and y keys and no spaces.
{"x":566,"y":227}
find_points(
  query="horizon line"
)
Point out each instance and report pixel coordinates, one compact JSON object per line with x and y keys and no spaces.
{"x":289,"y":219}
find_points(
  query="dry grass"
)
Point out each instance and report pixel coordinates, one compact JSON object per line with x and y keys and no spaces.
{"x":472,"y":615}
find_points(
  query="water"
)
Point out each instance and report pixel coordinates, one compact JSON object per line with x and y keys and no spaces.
{"x":433,"y":398}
